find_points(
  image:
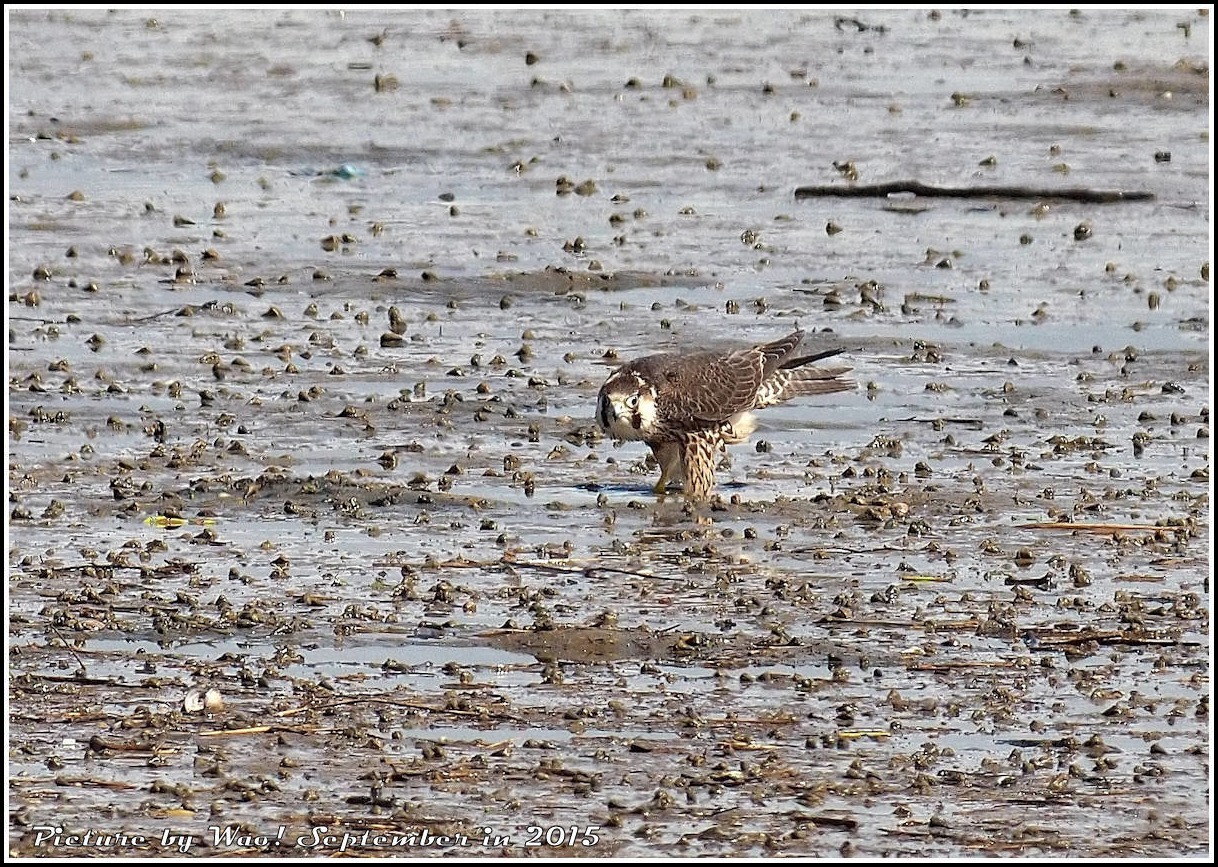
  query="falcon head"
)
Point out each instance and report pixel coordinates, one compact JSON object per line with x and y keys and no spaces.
{"x":626,"y":406}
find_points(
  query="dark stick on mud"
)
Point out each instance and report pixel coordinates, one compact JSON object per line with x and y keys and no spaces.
{"x":1075,"y":194}
{"x":845,"y":824}
{"x":589,"y":572}
{"x":68,"y":647}
{"x":1095,"y":528}
{"x":1049,"y":641}
{"x":367,"y":699}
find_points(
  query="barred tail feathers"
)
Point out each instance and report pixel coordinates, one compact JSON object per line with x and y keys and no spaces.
{"x":802,"y":382}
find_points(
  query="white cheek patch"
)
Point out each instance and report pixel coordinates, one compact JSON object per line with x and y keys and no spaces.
{"x":647,"y":412}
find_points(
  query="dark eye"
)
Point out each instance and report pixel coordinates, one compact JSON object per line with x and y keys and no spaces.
{"x":632,"y":402}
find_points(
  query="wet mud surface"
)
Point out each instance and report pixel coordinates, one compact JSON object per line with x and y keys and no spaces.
{"x":314,"y":546}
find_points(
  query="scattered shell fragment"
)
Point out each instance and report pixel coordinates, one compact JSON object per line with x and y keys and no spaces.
{"x":199,"y":700}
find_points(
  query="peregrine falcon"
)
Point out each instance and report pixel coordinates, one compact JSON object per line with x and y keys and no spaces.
{"x":688,"y":406}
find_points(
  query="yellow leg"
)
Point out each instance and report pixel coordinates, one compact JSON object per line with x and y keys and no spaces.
{"x":668,"y":456}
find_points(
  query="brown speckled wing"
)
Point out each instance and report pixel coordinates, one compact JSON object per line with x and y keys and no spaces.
{"x":778,"y":353}
{"x":704,"y":388}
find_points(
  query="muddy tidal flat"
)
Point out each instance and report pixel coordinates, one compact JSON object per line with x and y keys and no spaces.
{"x":315,"y":547}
